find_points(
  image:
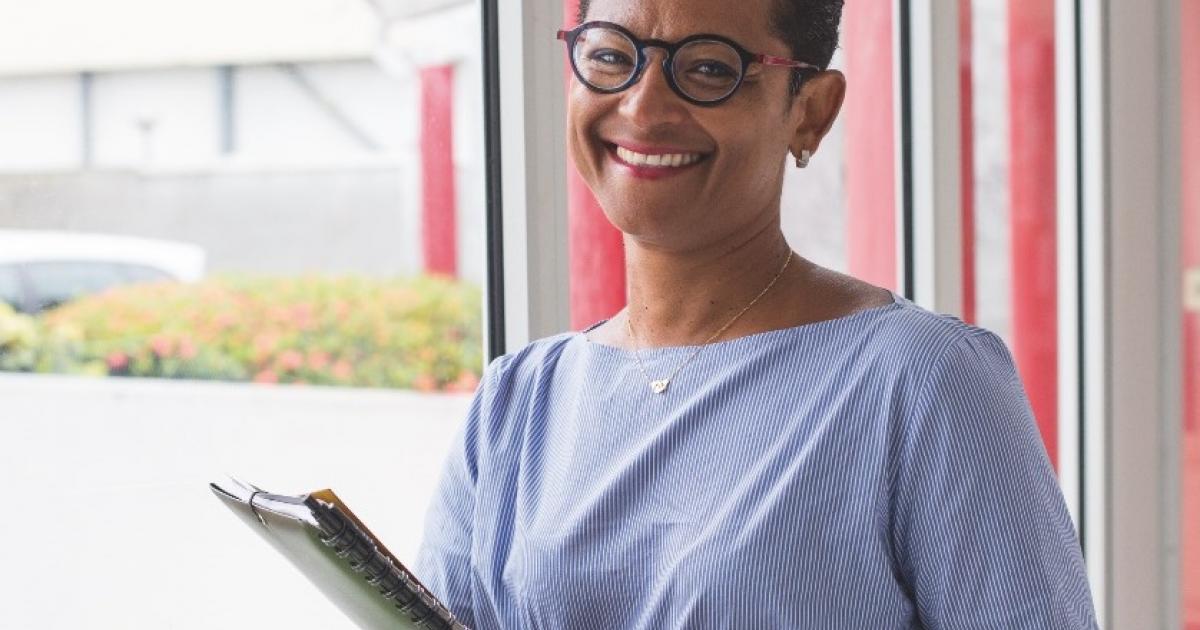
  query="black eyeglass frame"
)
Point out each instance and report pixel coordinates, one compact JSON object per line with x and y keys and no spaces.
{"x":640,"y":45}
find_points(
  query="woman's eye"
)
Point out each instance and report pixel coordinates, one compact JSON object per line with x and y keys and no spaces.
{"x":609,"y":57}
{"x":713,"y":69}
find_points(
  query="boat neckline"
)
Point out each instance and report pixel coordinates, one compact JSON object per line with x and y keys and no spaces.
{"x":897,"y":302}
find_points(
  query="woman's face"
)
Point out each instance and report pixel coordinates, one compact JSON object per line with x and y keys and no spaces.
{"x":734,"y":187}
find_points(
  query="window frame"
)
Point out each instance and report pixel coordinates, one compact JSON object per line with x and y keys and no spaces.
{"x":527,"y":292}
{"x":931,"y":90}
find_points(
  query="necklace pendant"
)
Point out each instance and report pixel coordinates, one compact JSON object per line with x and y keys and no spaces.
{"x":660,"y":386}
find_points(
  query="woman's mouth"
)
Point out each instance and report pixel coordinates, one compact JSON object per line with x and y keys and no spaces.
{"x":653,"y":163}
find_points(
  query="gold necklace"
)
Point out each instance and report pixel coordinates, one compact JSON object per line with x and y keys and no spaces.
{"x":660,"y":385}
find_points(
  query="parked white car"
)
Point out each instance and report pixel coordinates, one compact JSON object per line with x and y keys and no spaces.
{"x":42,"y":269}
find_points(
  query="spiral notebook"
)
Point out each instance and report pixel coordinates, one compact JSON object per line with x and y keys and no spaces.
{"x":330,"y":546}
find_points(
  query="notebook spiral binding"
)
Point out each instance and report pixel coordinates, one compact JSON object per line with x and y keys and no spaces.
{"x":394,"y":584}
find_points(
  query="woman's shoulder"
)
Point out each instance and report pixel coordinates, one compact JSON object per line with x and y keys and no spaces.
{"x":539,"y":356}
{"x":906,"y":346}
{"x":878,"y":322}
{"x":917,"y":330}
{"x":932,"y":353}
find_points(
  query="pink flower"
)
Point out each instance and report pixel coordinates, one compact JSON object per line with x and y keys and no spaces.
{"x":266,"y":377}
{"x":117,"y":361}
{"x":465,"y":383}
{"x":162,"y":346}
{"x":290,"y":360}
{"x":265,"y":342}
{"x":264,"y":345}
{"x":343,"y":370}
{"x":225,"y":320}
{"x":302,"y":316}
{"x":318,"y":359}
{"x":187,"y":349}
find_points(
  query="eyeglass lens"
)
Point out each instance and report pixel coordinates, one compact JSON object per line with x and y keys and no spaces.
{"x":704,"y":70}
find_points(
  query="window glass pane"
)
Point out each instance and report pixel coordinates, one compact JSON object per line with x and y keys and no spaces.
{"x":1012,"y":190}
{"x":293,"y":295}
{"x":841,"y":211}
{"x":142,"y":273}
{"x":55,"y":283}
{"x":1190,"y":257}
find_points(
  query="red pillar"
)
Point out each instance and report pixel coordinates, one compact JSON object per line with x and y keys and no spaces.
{"x":595,"y":249}
{"x":1033,"y":198}
{"x":1190,"y":171}
{"x":1190,"y":257}
{"x":438,"y":222}
{"x":870,"y":143}
{"x":967,"y":133}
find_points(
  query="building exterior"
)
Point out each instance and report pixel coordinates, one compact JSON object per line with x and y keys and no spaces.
{"x":181,"y":121}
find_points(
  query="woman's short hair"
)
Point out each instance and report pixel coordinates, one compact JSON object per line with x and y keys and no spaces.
{"x":810,"y":28}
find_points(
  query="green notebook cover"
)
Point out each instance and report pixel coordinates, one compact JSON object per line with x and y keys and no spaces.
{"x":320,"y":536}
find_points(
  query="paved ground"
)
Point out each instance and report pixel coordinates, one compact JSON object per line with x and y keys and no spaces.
{"x":109,"y":523}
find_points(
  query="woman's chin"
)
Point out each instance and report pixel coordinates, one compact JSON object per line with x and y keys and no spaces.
{"x":652,"y":223}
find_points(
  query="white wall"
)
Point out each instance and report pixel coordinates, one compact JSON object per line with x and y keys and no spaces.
{"x":157,"y":118}
{"x":40,"y":123}
{"x":68,"y":36}
{"x":278,"y":121}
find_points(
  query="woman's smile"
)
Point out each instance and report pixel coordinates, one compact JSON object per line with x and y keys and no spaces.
{"x":649,"y":162}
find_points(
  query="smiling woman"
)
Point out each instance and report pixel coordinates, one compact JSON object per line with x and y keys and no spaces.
{"x":755,"y":441}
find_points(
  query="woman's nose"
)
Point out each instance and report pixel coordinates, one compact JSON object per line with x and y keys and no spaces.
{"x":650,"y":100}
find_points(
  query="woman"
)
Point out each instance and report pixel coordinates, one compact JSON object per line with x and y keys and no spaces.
{"x":755,"y":441}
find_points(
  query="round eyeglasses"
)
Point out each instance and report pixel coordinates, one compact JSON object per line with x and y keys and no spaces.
{"x":703,"y":69}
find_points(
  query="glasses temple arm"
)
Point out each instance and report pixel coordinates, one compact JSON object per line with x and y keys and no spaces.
{"x":768,"y":60}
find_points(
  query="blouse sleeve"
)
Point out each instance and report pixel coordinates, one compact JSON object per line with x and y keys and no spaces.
{"x":980,"y":530}
{"x":444,"y":562}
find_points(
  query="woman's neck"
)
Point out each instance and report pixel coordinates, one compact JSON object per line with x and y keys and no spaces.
{"x":683,"y":298}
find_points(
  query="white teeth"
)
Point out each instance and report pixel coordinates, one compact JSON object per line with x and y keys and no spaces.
{"x":668,"y":160}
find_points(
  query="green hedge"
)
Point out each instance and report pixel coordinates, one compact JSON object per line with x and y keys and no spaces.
{"x":26,"y":345}
{"x":421,"y":333}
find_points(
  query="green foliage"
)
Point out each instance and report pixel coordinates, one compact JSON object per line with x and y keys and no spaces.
{"x":422,"y":333}
{"x":19,"y":340}
{"x":26,"y":345}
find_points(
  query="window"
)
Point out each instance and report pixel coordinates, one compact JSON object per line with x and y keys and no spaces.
{"x":11,"y":290}
{"x":281,"y":279}
{"x":1009,"y":191}
{"x":1189,"y":95}
{"x":54,"y":283}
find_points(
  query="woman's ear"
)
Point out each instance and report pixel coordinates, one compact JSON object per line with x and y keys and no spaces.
{"x":820,"y":100}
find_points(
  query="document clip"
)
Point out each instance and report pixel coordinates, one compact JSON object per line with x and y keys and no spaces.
{"x":250,"y":502}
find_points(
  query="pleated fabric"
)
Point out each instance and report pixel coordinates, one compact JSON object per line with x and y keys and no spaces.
{"x":881,"y":470}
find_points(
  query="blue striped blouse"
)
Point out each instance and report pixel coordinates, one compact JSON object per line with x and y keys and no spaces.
{"x":880,"y":470}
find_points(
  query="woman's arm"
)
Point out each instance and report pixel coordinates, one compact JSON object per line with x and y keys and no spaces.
{"x":444,"y":563}
{"x":979,"y":526}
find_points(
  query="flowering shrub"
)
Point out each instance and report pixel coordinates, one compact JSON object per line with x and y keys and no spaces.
{"x":421,"y":333}
{"x":28,"y":346}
